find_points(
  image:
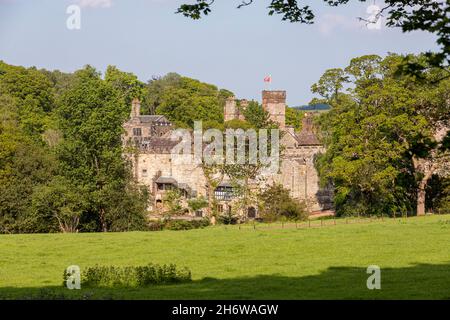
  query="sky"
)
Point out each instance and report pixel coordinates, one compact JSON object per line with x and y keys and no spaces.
{"x":231,"y":48}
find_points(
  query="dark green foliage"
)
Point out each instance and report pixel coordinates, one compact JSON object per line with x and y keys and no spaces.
{"x":131,"y":276}
{"x":175,"y":225}
{"x":375,"y":133}
{"x":228,"y":218}
{"x":256,"y":116}
{"x":61,"y":165}
{"x":294,"y":118}
{"x":277,"y":204}
{"x":186,"y":225}
{"x":184,"y":100}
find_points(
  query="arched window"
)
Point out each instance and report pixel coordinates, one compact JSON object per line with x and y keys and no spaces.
{"x":251,"y":212}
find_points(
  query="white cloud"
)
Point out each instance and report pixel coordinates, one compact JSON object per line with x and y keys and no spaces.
{"x":330,"y":23}
{"x":95,"y":3}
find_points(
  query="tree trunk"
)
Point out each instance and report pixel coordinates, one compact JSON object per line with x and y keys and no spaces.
{"x":103,"y":220}
{"x":421,"y":193}
{"x":421,"y":200}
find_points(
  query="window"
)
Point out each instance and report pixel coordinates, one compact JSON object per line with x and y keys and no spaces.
{"x":144,"y":172}
{"x":224,"y":193}
{"x":199,"y":213}
{"x":251,"y":212}
{"x":137,"y":132}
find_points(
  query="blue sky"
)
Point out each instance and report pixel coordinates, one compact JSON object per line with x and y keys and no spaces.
{"x":233,"y":49}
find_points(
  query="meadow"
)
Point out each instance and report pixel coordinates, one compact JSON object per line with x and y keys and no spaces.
{"x":251,"y":262}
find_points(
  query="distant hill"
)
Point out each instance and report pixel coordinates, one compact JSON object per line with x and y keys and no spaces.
{"x":314,"y":107}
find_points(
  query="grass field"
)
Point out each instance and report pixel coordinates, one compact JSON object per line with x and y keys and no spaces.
{"x":231,"y":263}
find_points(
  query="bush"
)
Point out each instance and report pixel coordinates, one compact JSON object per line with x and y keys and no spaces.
{"x":186,"y":225}
{"x":277,"y":204}
{"x":227,"y":219}
{"x":132,"y":276}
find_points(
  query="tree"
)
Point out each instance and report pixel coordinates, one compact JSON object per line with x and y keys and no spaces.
{"x":172,"y":200}
{"x":427,"y":15}
{"x":276,"y":203}
{"x":58,"y":205}
{"x":127,"y":84}
{"x":214,"y":174}
{"x":155,"y":89}
{"x":25,"y":163}
{"x":191,"y":100}
{"x":256,"y":116}
{"x":196,"y":204}
{"x":294,"y":118}
{"x":91,"y":115}
{"x":378,"y":135}
{"x":330,"y":84}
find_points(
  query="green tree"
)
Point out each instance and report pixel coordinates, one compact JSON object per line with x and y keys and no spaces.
{"x":58,"y":206}
{"x":172,"y":200}
{"x":24,"y":164}
{"x":377,"y":136}
{"x":91,"y":115}
{"x":198,"y":203}
{"x":191,"y":100}
{"x":276,"y":203}
{"x":330,"y":84}
{"x":294,"y":118}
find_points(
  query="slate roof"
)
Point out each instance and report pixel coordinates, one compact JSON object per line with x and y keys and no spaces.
{"x":306,"y":138}
{"x":166,"y":180}
{"x":153,"y":118}
{"x":160,"y":142}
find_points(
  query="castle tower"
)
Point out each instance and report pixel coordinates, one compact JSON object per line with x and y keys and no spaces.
{"x":274,"y":102}
{"x":135,"y":108}
{"x":230,"y":110}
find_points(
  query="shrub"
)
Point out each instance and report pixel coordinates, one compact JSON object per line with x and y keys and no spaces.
{"x":227,"y":219}
{"x":186,"y":225}
{"x":278,"y":204}
{"x":132,"y":276}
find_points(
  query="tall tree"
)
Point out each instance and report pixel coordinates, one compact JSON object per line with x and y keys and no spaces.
{"x":91,"y":116}
{"x":378,"y":135}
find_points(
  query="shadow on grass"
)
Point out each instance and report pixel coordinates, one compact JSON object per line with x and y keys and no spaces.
{"x":421,"y":281}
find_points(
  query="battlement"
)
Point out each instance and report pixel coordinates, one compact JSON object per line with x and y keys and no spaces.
{"x":275,"y":96}
{"x":274,"y":102}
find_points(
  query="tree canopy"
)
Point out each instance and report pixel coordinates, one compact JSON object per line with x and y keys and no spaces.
{"x":384,"y":135}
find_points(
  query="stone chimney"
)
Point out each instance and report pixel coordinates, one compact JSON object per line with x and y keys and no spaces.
{"x":135,"y":108}
{"x":307,"y":122}
{"x":274,"y":102}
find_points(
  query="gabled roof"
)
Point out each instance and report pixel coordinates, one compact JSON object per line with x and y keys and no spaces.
{"x":153,"y":118}
{"x":306,"y":138}
{"x":160,"y":142}
{"x":166,"y":180}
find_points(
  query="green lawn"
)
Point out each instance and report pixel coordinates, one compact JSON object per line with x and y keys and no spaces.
{"x":228,"y":263}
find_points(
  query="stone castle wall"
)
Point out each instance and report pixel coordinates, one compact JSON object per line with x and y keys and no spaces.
{"x":297,"y":172}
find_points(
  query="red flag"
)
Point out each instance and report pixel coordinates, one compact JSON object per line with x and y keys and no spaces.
{"x":268,"y":79}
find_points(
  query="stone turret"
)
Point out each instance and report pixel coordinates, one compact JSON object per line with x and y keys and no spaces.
{"x":135,"y":108}
{"x":230,"y":109}
{"x":274,"y":102}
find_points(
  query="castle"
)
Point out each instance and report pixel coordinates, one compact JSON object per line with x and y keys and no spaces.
{"x":153,"y":165}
